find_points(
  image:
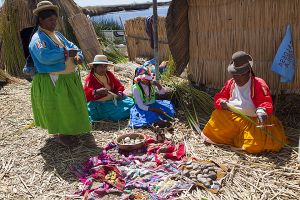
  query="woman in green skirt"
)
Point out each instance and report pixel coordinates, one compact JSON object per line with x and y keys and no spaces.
{"x":58,"y":99}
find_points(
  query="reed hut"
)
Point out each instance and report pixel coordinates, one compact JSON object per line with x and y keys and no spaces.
{"x":203,"y":34}
{"x":16,"y":15}
{"x":138,"y":41}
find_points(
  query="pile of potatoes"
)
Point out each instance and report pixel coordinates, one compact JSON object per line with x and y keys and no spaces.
{"x":131,"y":141}
{"x":111,"y":176}
{"x":204,"y":173}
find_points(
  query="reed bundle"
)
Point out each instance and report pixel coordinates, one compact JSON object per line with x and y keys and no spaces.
{"x":82,"y":29}
{"x":138,"y":42}
{"x":177,"y":28}
{"x":196,"y":105}
{"x":85,"y":35}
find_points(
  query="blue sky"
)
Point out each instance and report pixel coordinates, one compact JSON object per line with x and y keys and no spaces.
{"x":112,"y":2}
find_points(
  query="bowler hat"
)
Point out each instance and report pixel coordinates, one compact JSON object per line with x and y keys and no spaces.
{"x":241,"y":63}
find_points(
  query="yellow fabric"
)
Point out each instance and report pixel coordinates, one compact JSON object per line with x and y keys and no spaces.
{"x":225,"y":127}
{"x":103,"y":80}
{"x":70,"y":65}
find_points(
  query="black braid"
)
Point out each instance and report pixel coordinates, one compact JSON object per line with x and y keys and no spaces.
{"x":143,"y":92}
{"x":150,"y":92}
{"x":135,"y":71}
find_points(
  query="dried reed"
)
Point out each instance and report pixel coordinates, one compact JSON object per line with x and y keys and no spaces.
{"x":34,"y":166}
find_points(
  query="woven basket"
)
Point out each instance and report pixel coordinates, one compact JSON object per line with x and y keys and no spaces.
{"x":129,"y":147}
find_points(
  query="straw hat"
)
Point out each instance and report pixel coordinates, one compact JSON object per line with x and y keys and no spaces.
{"x":45,"y":5}
{"x":100,"y":59}
{"x":241,"y":63}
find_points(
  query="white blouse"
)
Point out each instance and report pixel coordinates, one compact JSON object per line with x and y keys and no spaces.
{"x":241,"y":99}
{"x":138,"y":99}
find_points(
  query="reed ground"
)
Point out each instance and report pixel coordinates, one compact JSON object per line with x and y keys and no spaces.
{"x":34,"y":166}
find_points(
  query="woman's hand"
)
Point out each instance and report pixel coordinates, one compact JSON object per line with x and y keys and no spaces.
{"x":72,"y":52}
{"x":157,"y":110}
{"x":77,"y":60}
{"x":223,"y":105}
{"x":101,"y":91}
{"x":156,"y":83}
{"x":119,"y":95}
{"x":261,"y":115}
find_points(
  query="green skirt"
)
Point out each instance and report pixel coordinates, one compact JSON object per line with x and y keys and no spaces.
{"x":62,"y":109}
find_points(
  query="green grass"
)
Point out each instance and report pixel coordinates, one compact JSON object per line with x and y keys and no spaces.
{"x":110,"y":50}
{"x":107,"y":24}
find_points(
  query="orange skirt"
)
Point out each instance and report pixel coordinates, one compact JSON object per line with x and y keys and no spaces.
{"x":225,"y":127}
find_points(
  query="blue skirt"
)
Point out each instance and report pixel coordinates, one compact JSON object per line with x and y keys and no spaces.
{"x":109,"y":111}
{"x":140,"y":118}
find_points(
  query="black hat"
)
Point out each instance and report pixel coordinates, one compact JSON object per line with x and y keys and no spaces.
{"x":241,"y":63}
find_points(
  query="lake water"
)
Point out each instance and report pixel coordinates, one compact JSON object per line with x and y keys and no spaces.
{"x":125,"y":15}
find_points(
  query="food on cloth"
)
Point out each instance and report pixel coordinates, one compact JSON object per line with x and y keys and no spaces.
{"x":111,"y":176}
{"x":204,"y":173}
{"x":130,"y":141}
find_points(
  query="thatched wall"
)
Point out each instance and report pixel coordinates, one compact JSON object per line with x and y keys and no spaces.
{"x":138,"y":42}
{"x":218,"y":28}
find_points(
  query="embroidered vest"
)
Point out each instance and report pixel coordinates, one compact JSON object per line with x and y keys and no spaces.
{"x":150,"y":99}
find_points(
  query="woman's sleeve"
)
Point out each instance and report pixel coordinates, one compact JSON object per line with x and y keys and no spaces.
{"x":224,"y":94}
{"x":138,"y":100}
{"x":40,"y":50}
{"x":71,"y":45}
{"x":117,"y":84}
{"x":89,"y":89}
{"x":262,"y":98}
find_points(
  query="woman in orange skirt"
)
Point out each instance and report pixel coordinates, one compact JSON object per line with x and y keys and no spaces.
{"x":244,"y":93}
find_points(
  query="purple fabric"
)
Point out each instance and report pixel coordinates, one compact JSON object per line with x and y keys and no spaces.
{"x":139,"y":172}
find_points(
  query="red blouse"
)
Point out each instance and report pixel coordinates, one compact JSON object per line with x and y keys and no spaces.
{"x":92,"y":83}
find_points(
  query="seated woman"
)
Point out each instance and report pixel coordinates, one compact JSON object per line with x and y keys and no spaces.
{"x":147,"y":109}
{"x":104,"y":93}
{"x":244,"y":93}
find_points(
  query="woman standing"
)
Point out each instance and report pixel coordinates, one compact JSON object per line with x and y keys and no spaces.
{"x":57,"y":96}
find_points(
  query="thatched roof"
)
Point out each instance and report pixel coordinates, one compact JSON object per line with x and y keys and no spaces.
{"x":177,"y":26}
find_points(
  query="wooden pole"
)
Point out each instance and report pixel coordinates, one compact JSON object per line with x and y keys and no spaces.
{"x":155,"y":38}
{"x":100,"y":10}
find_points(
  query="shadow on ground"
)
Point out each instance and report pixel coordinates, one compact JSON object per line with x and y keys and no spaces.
{"x":60,"y":158}
{"x":110,"y":126}
{"x":281,"y":158}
